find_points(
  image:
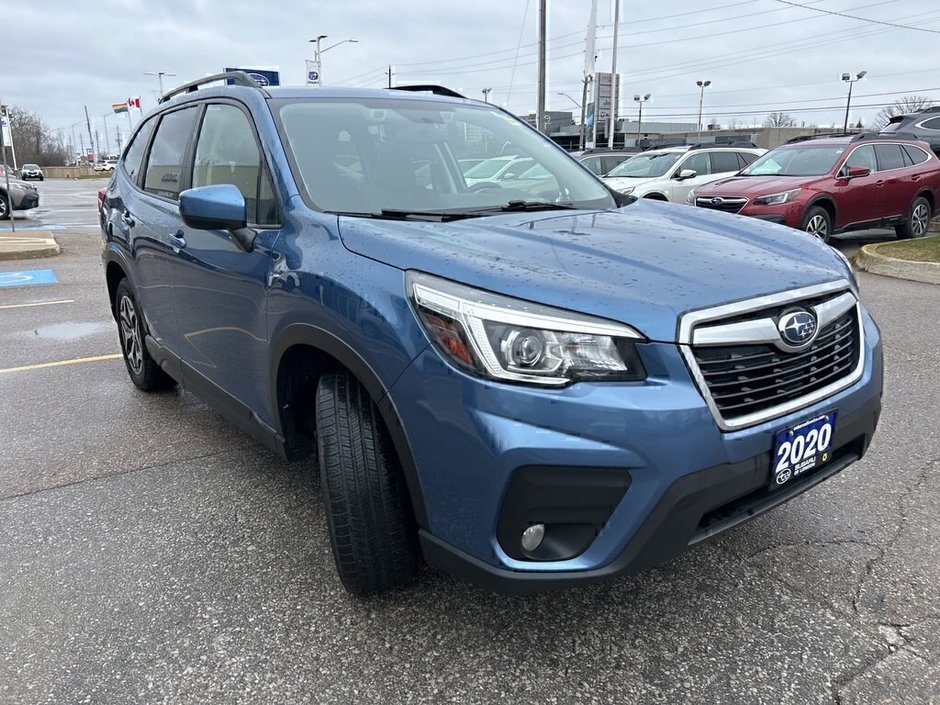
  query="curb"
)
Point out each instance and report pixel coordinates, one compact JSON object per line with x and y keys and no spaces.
{"x":38,"y":243}
{"x":870,"y":260}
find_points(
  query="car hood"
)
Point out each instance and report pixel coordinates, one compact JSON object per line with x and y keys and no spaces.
{"x":618,"y":183}
{"x":754,"y":185}
{"x":643,"y":265}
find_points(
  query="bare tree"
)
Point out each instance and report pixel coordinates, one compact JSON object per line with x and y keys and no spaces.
{"x":34,"y":141}
{"x":902,"y":106}
{"x":777,"y":119}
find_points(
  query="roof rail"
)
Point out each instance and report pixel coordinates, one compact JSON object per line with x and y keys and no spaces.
{"x":822,"y":136}
{"x":884,"y":136}
{"x":239,"y":77}
{"x":722,"y":145}
{"x":429,"y":88}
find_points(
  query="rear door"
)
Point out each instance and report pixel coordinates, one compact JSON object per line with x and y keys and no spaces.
{"x":900,"y":179}
{"x":221,"y":290}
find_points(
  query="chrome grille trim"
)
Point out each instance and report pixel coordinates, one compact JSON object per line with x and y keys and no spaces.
{"x":729,"y":204}
{"x":693,"y":329}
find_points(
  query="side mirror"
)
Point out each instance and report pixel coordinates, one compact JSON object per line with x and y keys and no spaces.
{"x":856,"y":171}
{"x":686,"y":174}
{"x":219,"y":207}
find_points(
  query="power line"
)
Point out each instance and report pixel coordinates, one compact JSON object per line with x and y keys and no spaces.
{"x":862,"y":19}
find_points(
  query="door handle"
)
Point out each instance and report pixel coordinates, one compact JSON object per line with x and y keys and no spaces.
{"x":879,"y":183}
{"x":915,"y":177}
{"x":127,"y":219}
{"x":177,"y":241}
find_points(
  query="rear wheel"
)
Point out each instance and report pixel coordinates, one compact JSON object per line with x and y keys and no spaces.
{"x":369,"y":516}
{"x":818,"y":222}
{"x":4,"y":206}
{"x":917,"y":222}
{"x":143,"y":369}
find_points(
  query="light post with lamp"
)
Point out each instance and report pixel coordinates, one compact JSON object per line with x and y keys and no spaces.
{"x":318,"y":52}
{"x":639,"y":123}
{"x":486,"y":94}
{"x":847,"y":77}
{"x":701,"y":99}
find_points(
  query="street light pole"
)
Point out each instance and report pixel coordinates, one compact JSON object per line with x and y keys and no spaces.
{"x":318,"y":52}
{"x":614,"y":83}
{"x":639,"y":123}
{"x":486,"y":94}
{"x":847,"y":77}
{"x":701,"y":99}
{"x":159,"y":75}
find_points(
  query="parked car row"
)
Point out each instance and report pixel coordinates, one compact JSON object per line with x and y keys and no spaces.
{"x":528,"y":378}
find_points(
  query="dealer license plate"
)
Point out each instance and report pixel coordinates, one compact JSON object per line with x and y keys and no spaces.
{"x":802,"y":448}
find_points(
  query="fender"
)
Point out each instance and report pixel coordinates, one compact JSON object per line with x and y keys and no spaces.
{"x":824,"y":197}
{"x":326,"y":342}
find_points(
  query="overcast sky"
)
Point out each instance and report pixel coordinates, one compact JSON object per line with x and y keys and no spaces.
{"x":760,"y":55}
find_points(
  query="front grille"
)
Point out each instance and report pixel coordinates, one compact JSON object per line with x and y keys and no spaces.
{"x":728,"y":205}
{"x":749,"y":379}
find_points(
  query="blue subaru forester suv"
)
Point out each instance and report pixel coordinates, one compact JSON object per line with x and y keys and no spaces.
{"x":529,"y":381}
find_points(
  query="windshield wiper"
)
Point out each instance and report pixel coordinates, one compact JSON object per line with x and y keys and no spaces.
{"x":520,"y":206}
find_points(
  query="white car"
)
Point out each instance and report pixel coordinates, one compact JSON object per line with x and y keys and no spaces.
{"x":669,"y":174}
{"x":497,"y":169}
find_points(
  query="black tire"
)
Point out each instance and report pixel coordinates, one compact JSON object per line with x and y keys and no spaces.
{"x":917,"y":221}
{"x":369,"y":516}
{"x":143,"y":370}
{"x":817,"y":221}
{"x":4,"y":207}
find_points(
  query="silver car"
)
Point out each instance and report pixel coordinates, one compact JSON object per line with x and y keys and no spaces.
{"x":31,"y":171}
{"x":21,"y":196}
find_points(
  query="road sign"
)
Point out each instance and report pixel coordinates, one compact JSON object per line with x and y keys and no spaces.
{"x":313,"y":76}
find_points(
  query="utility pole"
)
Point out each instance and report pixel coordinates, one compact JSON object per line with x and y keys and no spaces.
{"x":6,"y":172}
{"x":701,"y":99}
{"x":486,"y":94}
{"x":389,"y":74}
{"x":614,"y":83}
{"x":107,"y":141}
{"x":584,"y":91}
{"x":118,"y":138}
{"x":91,"y":142}
{"x":159,"y":75}
{"x":543,"y":28}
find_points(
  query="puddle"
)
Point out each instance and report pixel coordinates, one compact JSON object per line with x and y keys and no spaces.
{"x":68,"y":331}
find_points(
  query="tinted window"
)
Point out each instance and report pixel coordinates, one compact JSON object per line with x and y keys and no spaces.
{"x":917,"y":156}
{"x":165,"y":163}
{"x":889,"y":156}
{"x":227,"y":153}
{"x":698,"y":163}
{"x":135,"y":152}
{"x":932,"y":124}
{"x":746,"y":158}
{"x":724,"y":161}
{"x":864,"y":156}
{"x":594,"y":164}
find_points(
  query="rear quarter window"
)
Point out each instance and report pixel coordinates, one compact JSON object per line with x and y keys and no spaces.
{"x":916,"y":155}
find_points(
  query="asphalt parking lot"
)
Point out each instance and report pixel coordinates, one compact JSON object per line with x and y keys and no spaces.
{"x":149,"y":553}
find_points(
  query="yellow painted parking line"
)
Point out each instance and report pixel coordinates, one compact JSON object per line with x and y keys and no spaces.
{"x":38,"y":303}
{"x":61,"y":363}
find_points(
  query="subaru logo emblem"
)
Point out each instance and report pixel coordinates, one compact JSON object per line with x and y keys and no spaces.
{"x":716,"y":201}
{"x":797,"y":328}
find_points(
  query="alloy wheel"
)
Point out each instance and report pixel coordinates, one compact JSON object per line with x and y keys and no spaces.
{"x":920,"y":218}
{"x":130,"y":335}
{"x":817,"y":226}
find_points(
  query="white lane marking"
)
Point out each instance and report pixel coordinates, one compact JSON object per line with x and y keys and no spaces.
{"x":61,"y":363}
{"x":38,"y":303}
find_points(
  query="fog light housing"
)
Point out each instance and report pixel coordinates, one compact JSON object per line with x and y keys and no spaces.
{"x":532,"y":537}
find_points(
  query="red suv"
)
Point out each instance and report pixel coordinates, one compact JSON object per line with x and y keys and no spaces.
{"x":831,"y":184}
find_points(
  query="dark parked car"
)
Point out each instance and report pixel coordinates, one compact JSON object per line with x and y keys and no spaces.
{"x":832,"y":184}
{"x":530,"y":389}
{"x":600,"y":161}
{"x":923,"y":125}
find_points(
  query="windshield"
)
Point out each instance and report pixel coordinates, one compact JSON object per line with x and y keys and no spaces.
{"x":369,"y":155}
{"x":646,"y":165}
{"x":30,"y":166}
{"x":798,"y":160}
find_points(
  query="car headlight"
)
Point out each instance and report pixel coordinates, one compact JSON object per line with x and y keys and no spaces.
{"x":690,"y":198}
{"x":509,"y":339}
{"x":774,"y":199}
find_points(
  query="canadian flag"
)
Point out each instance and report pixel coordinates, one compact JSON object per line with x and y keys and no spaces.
{"x":134,"y":102}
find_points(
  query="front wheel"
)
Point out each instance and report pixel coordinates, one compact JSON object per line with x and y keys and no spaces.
{"x":817,"y":222}
{"x":143,"y":369}
{"x":368,"y":513}
{"x":917,"y":221}
{"x":4,"y":207}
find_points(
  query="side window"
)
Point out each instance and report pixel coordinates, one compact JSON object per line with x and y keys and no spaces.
{"x":698,"y":163}
{"x":889,"y":156}
{"x":863,"y":156}
{"x":594,"y":164}
{"x":133,"y":155}
{"x":917,"y":156}
{"x":747,"y":158}
{"x":227,"y":153}
{"x":931,"y":124}
{"x":165,"y":163}
{"x":724,"y":161}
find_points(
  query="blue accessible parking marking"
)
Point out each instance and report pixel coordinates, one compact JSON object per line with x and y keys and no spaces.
{"x":27,"y":278}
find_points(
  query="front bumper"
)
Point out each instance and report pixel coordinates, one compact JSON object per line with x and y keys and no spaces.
{"x":686,"y":479}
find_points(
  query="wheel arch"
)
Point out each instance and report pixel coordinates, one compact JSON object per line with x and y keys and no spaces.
{"x":300,"y":356}
{"x":655,"y":196}
{"x":823,"y":201}
{"x":928,"y":194}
